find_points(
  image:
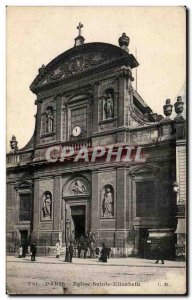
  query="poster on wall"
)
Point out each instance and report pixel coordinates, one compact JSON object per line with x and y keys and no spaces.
{"x":96,"y":150}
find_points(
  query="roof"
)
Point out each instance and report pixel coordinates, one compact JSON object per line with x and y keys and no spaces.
{"x":80,"y":60}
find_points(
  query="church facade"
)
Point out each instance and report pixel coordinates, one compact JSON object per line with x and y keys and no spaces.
{"x":87,"y":108}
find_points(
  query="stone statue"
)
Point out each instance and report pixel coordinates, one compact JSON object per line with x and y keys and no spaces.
{"x":108,"y":204}
{"x":78,"y":188}
{"x":108,"y":107}
{"x":13,"y":144}
{"x":49,"y":121}
{"x":47,"y":206}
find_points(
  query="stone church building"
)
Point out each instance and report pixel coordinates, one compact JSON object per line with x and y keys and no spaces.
{"x":85,"y":99}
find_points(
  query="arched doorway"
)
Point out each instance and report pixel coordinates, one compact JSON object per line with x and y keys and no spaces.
{"x":76,"y":208}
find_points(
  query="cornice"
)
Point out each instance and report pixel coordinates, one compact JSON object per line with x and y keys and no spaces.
{"x":82,"y":83}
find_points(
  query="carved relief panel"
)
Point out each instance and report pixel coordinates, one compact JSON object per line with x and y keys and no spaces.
{"x":78,"y":186}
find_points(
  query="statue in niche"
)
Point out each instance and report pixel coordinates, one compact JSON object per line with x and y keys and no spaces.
{"x":47,"y":206}
{"x":108,"y":203}
{"x":108,"y":106}
{"x":13,"y":144}
{"x":49,"y":120}
{"x":78,"y":188}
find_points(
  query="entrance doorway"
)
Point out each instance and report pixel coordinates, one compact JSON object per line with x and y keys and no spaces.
{"x":78,"y":214}
{"x":142,"y":244}
{"x":24,"y":240}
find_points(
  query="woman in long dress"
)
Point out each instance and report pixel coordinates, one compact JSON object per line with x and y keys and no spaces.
{"x":104,"y":253}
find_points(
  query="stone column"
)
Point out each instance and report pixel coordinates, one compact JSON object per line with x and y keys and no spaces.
{"x":95,"y":208}
{"x":121,"y":198}
{"x":57,"y":206}
{"x":36,"y":216}
{"x":58,"y":117}
{"x":121,"y":205}
{"x":38,"y":121}
{"x":121,"y":101}
{"x":95,"y":107}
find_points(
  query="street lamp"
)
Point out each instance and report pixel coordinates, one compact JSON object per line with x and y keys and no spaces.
{"x":176,"y":187}
{"x":67,"y":227}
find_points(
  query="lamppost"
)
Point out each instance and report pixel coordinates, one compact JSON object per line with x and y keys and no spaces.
{"x":176,"y":187}
{"x":67,"y":227}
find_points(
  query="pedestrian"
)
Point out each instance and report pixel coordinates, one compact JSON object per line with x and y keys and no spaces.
{"x":24,"y":247}
{"x":159,"y":255}
{"x":104,"y":253}
{"x":67,"y":258}
{"x":58,"y":248}
{"x":33,"y":251}
{"x":92,"y":250}
{"x":79,"y":248}
{"x":109,"y":251}
{"x":20,"y":251}
{"x":97,"y":252}
{"x":85,"y":250}
{"x":71,"y":251}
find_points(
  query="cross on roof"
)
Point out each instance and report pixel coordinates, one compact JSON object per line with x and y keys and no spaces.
{"x":79,"y":27}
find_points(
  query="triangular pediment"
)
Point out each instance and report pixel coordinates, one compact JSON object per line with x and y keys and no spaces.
{"x":144,"y":169}
{"x":25,"y":184}
{"x":79,"y":60}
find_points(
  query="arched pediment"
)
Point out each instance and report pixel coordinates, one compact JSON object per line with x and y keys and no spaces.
{"x":79,"y":97}
{"x":76,"y":186}
{"x":79,"y":60}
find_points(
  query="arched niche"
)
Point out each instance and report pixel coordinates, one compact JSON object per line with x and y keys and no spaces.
{"x":77,"y":186}
{"x":107,"y":201}
{"x":46,"y":206}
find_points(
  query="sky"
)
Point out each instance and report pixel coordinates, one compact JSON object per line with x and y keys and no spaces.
{"x":36,"y":35}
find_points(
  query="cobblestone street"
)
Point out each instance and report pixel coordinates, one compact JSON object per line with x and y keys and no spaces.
{"x":48,"y":275}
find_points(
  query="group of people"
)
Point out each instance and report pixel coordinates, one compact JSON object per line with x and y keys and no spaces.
{"x":23,"y":250}
{"x":94,"y":252}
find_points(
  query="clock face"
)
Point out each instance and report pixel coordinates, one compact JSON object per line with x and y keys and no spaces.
{"x":76,"y":131}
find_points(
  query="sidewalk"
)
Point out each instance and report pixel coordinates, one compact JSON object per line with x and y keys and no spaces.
{"x":129,"y":261}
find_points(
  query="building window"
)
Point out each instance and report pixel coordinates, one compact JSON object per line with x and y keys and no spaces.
{"x":145,"y":199}
{"x":24,"y":209}
{"x":79,"y":118}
